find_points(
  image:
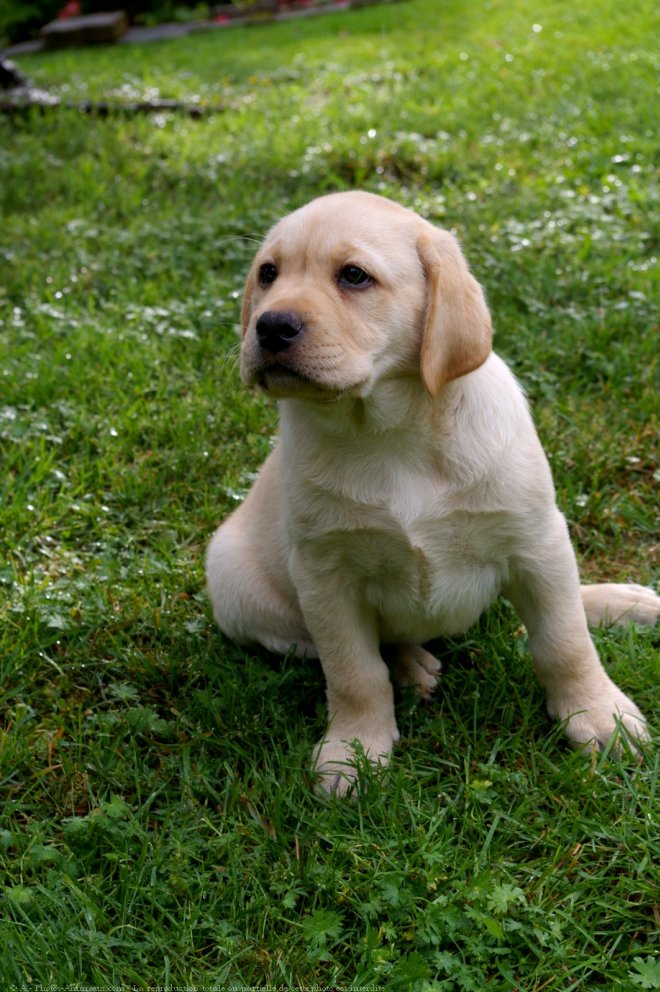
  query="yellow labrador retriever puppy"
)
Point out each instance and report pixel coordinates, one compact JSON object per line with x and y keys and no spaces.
{"x":408,"y":488}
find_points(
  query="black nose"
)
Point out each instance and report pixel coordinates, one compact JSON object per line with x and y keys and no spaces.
{"x":276,"y":329}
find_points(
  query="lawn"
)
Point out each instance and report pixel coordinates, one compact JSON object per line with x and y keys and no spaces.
{"x":158,"y":825}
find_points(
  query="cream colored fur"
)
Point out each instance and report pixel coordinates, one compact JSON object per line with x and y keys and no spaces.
{"x":407,"y":490}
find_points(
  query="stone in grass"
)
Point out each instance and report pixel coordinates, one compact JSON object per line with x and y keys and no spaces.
{"x":90,"y":29}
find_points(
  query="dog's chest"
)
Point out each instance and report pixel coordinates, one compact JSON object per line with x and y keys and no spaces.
{"x":408,"y":543}
{"x":432,"y":577}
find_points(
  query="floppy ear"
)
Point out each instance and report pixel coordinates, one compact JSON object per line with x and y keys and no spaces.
{"x":246,"y":306}
{"x":457,"y":335}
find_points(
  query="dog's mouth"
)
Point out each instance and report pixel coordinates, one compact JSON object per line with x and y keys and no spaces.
{"x":284,"y":379}
{"x":280,"y":380}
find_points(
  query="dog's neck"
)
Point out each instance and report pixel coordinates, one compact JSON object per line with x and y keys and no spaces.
{"x":394,"y":406}
{"x":463,"y":429}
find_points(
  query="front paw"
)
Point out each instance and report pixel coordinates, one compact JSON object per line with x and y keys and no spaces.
{"x":597,"y":718}
{"x":337,"y":758}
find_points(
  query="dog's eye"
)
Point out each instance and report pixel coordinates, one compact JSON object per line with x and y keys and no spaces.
{"x":354,"y":277}
{"x":267,"y":274}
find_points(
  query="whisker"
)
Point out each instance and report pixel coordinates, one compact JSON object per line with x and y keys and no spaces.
{"x":229,"y":364}
{"x":254,"y":239}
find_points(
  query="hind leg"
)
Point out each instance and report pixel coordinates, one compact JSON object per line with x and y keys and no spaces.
{"x":412,"y":666}
{"x":618,"y":603}
{"x":252,"y":602}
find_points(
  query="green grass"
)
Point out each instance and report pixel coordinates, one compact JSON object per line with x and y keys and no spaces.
{"x":158,"y":825}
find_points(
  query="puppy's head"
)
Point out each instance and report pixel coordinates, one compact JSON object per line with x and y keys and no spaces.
{"x":352,"y":289}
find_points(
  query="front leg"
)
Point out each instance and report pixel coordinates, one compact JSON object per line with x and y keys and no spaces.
{"x":545,"y":591}
{"x":359,"y":691}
